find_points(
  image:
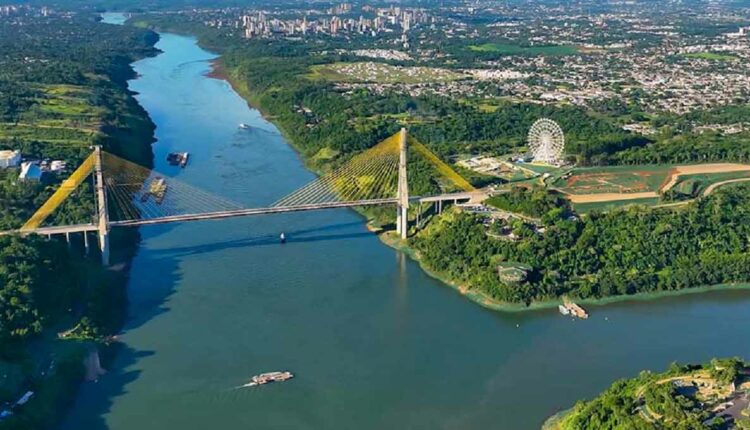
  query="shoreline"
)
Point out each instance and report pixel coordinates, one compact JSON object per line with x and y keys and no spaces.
{"x":219,"y":71}
{"x":498,"y":306}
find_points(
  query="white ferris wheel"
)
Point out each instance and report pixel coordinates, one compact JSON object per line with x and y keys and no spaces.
{"x":546,"y":141}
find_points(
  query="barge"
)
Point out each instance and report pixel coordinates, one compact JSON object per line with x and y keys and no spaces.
{"x":157,"y":188}
{"x":178,"y":158}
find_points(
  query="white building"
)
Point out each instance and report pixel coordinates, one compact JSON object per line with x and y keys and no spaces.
{"x":9,"y":159}
{"x":57,"y":166}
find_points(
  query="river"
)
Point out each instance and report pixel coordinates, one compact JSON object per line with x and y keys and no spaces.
{"x":375,"y":343}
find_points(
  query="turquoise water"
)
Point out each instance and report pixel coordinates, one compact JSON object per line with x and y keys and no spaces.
{"x":374,"y":342}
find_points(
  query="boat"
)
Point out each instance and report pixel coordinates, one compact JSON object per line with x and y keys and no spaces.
{"x":563,"y":309}
{"x":282,"y":238}
{"x":245,"y":126}
{"x":265,"y":378}
{"x":178,"y":158}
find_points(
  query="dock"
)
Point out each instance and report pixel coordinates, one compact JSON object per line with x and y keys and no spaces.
{"x":570,"y":308}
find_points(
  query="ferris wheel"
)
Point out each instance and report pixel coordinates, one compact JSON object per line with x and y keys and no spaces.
{"x":546,"y":141}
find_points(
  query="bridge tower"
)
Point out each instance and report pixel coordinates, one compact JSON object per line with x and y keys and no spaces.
{"x":101,"y":206}
{"x":402,"y":218}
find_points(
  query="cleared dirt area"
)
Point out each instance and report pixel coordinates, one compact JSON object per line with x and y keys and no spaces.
{"x":609,"y":197}
{"x":633,"y":181}
{"x":635,"y":189}
{"x":698,"y":169}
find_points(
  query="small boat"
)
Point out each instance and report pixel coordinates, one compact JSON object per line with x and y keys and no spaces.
{"x":282,"y":238}
{"x":245,"y":126}
{"x":563,"y":309}
{"x":265,"y":378}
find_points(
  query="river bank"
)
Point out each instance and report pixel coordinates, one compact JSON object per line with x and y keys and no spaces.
{"x":220,"y":71}
{"x":74,"y":306}
{"x":485,"y":301}
{"x":344,"y":313}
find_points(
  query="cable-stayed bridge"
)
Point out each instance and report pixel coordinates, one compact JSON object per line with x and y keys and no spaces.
{"x":130,"y":195}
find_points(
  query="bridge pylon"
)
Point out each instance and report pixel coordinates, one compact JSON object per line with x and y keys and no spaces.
{"x":402,"y":214}
{"x":101,"y":206}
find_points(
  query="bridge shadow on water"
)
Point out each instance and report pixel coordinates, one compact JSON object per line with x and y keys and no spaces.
{"x":158,"y":275}
{"x":95,"y":399}
{"x":292,"y":237}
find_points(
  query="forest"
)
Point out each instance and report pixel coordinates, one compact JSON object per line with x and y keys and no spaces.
{"x":276,"y":76}
{"x":622,"y":252}
{"x":537,"y":203}
{"x":628,"y":402}
{"x":62,"y":89}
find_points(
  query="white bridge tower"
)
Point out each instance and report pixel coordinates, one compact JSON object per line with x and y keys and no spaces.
{"x":402,"y":215}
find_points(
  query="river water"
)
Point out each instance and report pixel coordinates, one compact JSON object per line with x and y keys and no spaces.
{"x":375,"y":343}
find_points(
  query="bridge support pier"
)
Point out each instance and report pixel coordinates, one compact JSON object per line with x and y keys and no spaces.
{"x":419,"y":216}
{"x":104,"y":248}
{"x":402,"y":214}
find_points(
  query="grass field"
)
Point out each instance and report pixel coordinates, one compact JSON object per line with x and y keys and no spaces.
{"x":696,"y":184}
{"x":381,"y":73}
{"x":583,"y":208}
{"x":61,"y":114}
{"x":500,"y":48}
{"x":711,"y":56}
{"x":539,"y":168}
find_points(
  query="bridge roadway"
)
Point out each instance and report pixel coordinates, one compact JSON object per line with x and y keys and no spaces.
{"x":78,"y":228}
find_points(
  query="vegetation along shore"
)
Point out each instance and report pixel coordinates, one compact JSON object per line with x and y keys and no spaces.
{"x":553,"y":250}
{"x":705,"y":396}
{"x":62,"y":89}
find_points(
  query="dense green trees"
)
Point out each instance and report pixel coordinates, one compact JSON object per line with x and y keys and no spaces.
{"x":651,"y":402}
{"x":62,"y":88}
{"x":276,"y":75}
{"x":85,"y":64}
{"x":618,"y":253}
{"x":623,"y":252}
{"x":37,"y":285}
{"x":535,"y":203}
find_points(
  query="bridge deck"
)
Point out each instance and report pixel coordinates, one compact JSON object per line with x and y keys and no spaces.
{"x":472,"y":195}
{"x":77,"y":228}
{"x":249,"y":212}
